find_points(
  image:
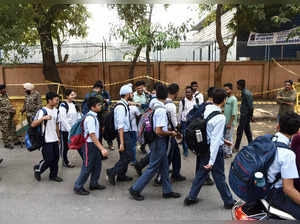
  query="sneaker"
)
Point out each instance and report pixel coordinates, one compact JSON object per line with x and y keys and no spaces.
{"x":37,"y":174}
{"x":56,"y":179}
{"x":111,"y":178}
{"x":136,"y":195}
{"x":124,"y":179}
{"x":209,"y":181}
{"x":188,"y":201}
{"x":81,"y":191}
{"x":178,"y":178}
{"x":171,"y":195}
{"x":97,"y":187}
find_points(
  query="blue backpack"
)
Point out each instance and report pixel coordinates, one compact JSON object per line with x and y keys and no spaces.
{"x":34,"y":138}
{"x":258,"y":156}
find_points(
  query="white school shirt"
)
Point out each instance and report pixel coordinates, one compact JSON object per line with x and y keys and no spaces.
{"x":91,"y":125}
{"x":121,"y":115}
{"x":67,"y":120}
{"x":134,"y":112}
{"x":199,"y":96}
{"x":50,"y":133}
{"x":188,"y":106}
{"x":215,"y":131}
{"x":171,"y":110}
{"x":284,"y":163}
{"x":160,"y":118}
{"x":153,"y":102}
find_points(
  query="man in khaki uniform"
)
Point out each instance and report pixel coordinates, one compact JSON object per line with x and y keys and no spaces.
{"x":7,"y":124}
{"x":286,"y":98}
{"x":32,"y":102}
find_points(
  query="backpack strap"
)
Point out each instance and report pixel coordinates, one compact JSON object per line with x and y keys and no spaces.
{"x":45,"y":121}
{"x":82,"y":124}
{"x":183,"y":104}
{"x":65,"y":105}
{"x":212,"y":115}
{"x":127,"y":110}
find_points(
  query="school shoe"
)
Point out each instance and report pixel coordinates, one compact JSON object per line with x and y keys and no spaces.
{"x":111,"y":178}
{"x":8,"y":146}
{"x":178,"y":178}
{"x":229,"y":206}
{"x":97,"y":187}
{"x":188,"y":201}
{"x":18,"y":143}
{"x":37,"y":174}
{"x":124,"y":179}
{"x":136,"y":195}
{"x":81,"y":191}
{"x":56,"y":179}
{"x":171,"y":195}
{"x":209,"y":181}
{"x":138,"y":169}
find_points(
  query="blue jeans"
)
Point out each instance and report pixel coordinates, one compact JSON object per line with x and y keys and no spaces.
{"x":175,"y":158}
{"x":184,"y":145}
{"x":218,"y":175}
{"x":121,"y":167}
{"x":158,"y":163}
{"x":92,"y":163}
{"x":134,"y":140}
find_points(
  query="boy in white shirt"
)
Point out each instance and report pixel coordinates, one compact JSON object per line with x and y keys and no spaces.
{"x":47,"y":117}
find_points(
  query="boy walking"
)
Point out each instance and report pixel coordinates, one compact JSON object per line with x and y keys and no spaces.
{"x":92,"y":150}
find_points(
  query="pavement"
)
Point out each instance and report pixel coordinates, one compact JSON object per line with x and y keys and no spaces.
{"x":25,"y":200}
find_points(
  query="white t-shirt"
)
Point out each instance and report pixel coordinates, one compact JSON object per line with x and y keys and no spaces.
{"x":171,"y":109}
{"x":199,"y":96}
{"x":67,"y":120}
{"x":50,"y":133}
{"x":134,"y":112}
{"x":284,"y":163}
{"x":188,"y":106}
{"x":160,"y":118}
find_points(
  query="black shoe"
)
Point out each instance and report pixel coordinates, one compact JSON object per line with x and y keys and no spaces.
{"x":37,"y":174}
{"x":209,"y":181}
{"x":229,"y":206}
{"x":8,"y":146}
{"x":172,"y":195}
{"x":97,"y":187}
{"x":138,"y":169}
{"x":124,"y":179}
{"x":157,"y":182}
{"x":18,"y":143}
{"x":188,"y":202}
{"x":1,"y":160}
{"x":81,"y":191}
{"x":111,"y":178}
{"x":178,"y":178}
{"x":136,"y":195}
{"x":56,"y":179}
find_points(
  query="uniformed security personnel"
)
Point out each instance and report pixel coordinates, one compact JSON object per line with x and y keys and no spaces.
{"x":158,"y":157}
{"x":126,"y":137}
{"x":7,"y":124}
{"x":32,"y":102}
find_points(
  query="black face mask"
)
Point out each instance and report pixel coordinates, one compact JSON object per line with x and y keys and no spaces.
{"x":28,"y":92}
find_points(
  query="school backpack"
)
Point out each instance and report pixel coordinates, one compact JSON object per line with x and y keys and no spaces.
{"x":34,"y":138}
{"x":258,"y":156}
{"x":84,"y":107}
{"x":199,"y":145}
{"x":76,"y":135}
{"x":197,"y":112}
{"x":109,"y":132}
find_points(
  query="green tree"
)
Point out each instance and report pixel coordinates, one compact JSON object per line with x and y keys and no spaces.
{"x":138,"y":30}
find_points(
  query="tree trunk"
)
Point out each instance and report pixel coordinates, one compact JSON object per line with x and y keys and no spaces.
{"x":220,"y":67}
{"x":148,"y":68}
{"x":148,"y":47}
{"x":59,"y":45}
{"x":133,"y":63}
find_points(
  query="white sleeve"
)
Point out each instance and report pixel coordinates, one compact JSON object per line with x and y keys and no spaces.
{"x":289,"y":167}
{"x":200,"y":98}
{"x":91,"y":125}
{"x":180,"y":111}
{"x":172,"y":109}
{"x":39,"y":115}
{"x":216,"y":139}
{"x":161,"y":118}
{"x":63,"y":118}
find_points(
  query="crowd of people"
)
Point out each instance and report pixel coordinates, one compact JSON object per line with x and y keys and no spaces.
{"x":169,"y":125}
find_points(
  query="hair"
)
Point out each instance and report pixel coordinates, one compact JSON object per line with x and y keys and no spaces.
{"x":241,"y":83}
{"x":161,"y":92}
{"x":219,"y":96}
{"x":210,"y":92}
{"x":93,"y":101}
{"x":156,"y":84}
{"x":194,"y":83}
{"x":289,"y":123}
{"x":188,"y":87}
{"x":289,"y":81}
{"x":173,"y":88}
{"x":68,"y":92}
{"x":140,"y":83}
{"x":51,"y":96}
{"x":98,"y":84}
{"x":228,"y":85}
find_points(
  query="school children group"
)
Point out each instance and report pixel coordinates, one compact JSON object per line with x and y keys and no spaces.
{"x":167,"y":128}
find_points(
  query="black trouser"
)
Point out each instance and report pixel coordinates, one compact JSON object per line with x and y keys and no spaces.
{"x":244,"y":125}
{"x":64,"y":146}
{"x":280,"y":200}
{"x":50,"y":152}
{"x":120,"y":169}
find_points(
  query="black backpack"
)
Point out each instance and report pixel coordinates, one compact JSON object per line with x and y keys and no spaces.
{"x":199,"y":125}
{"x":109,"y":132}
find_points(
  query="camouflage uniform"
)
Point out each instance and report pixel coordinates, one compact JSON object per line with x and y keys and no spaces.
{"x":7,"y":124}
{"x":286,"y":100}
{"x":32,"y":104}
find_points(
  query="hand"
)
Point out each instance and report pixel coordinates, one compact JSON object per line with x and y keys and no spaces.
{"x":228,"y":143}
{"x":173,"y":133}
{"x":121,"y":148}
{"x":104,"y":152}
{"x":208,"y":167}
{"x":228,"y":126}
{"x":58,"y":140}
{"x":47,"y":117}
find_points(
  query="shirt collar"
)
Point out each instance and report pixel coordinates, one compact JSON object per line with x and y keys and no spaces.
{"x":124,"y":101}
{"x":92,"y":113}
{"x":214,"y":107}
{"x":159,"y":102}
{"x":282,"y":138}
